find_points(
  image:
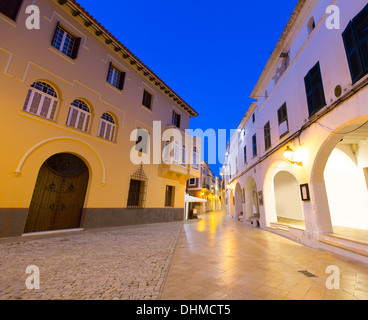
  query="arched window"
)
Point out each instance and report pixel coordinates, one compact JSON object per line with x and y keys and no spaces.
{"x":79,"y":116}
{"x":41,"y":100}
{"x":107,"y":127}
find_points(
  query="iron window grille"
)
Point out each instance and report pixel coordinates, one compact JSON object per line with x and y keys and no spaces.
{"x":137,"y":189}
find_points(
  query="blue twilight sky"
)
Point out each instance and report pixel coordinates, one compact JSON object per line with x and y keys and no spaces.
{"x":210,"y":52}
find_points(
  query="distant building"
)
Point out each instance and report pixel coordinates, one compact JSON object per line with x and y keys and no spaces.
{"x":208,"y":187}
{"x":71,"y":96}
{"x":297,"y":165}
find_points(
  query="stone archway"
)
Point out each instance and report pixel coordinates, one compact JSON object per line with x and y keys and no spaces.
{"x":59,"y":193}
{"x":346,"y":149}
{"x":282,"y":198}
{"x":251,"y":199}
{"x":231,"y":205}
{"x":238,"y":202}
{"x":288,"y":203}
{"x":346,"y":186}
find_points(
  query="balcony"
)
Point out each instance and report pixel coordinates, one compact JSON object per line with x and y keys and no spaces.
{"x":181,"y":172}
{"x":173,"y":168}
{"x":178,"y":163}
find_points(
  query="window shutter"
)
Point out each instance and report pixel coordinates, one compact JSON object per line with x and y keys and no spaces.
{"x":122,"y":80}
{"x":254,"y":145}
{"x":309,"y":91}
{"x":10,"y":8}
{"x":352,"y":52}
{"x":360,"y":24}
{"x":108,"y":72}
{"x":147,"y":99}
{"x":282,"y":114}
{"x":318,"y":92}
{"x":56,"y":29}
{"x":76,"y":48}
{"x":279,"y":115}
{"x":314,"y":90}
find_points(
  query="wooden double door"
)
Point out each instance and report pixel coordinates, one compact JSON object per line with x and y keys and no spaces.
{"x":59,"y":194}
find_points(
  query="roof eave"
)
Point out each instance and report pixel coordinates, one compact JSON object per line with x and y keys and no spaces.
{"x":278,"y":49}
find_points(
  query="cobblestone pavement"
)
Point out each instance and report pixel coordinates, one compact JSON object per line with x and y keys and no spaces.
{"x":126,"y":263}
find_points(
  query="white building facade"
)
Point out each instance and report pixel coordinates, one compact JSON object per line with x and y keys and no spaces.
{"x":298,"y":163}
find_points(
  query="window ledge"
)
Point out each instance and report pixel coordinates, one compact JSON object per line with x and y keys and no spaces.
{"x":284,"y":134}
{"x":106,"y":140}
{"x":113,"y":88}
{"x":8,"y":20}
{"x":62,"y":55}
{"x":147,"y":109}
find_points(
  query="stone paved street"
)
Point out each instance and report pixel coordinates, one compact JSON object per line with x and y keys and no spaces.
{"x":128,"y":263}
{"x":213,"y":258}
{"x":223,"y":259}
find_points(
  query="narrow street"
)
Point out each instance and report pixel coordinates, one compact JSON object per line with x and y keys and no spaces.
{"x":213,"y":258}
{"x":220,"y":258}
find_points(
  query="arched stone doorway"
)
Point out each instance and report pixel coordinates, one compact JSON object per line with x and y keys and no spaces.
{"x":339,"y":182}
{"x":346,"y":186}
{"x":238,"y":202}
{"x":59,"y":193}
{"x":251,"y":199}
{"x":231,"y":205}
{"x":288,"y":203}
{"x":282,"y":196}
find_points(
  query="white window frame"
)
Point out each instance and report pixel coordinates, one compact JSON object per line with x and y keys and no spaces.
{"x":80,"y":123}
{"x":195,"y":164}
{"x":175,"y":151}
{"x":183,"y":157}
{"x":52,"y":108}
{"x":107,"y":130}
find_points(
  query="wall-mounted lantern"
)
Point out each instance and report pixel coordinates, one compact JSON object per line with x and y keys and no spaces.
{"x":289,"y":156}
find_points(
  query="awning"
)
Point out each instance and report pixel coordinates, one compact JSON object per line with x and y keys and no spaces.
{"x":189,"y":198}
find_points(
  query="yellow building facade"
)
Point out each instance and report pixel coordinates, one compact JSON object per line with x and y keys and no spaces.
{"x":71,"y":96}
